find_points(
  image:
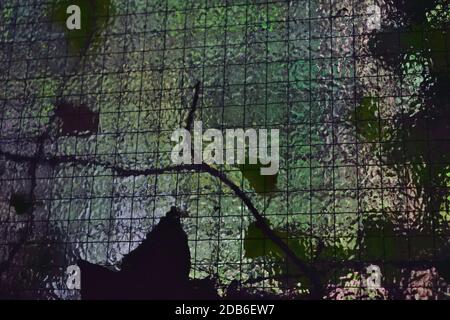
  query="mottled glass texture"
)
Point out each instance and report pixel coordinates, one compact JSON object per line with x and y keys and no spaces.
{"x":311,"y":68}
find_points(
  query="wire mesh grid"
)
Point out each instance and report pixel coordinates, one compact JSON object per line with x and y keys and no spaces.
{"x":363,"y":180}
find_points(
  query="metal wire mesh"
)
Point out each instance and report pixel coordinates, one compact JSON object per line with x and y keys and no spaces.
{"x":306,"y":67}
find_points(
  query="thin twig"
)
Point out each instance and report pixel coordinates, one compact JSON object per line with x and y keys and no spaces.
{"x":193,"y":109}
{"x":53,"y":161}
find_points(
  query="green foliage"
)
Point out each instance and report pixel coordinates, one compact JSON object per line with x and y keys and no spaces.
{"x":380,"y":242}
{"x":445,"y":205}
{"x":425,"y":36}
{"x":366,"y":119}
{"x":440,"y":15}
{"x":418,"y":50}
{"x":338,"y":249}
{"x":256,"y":244}
{"x":94,"y":17}
{"x":260,"y":183}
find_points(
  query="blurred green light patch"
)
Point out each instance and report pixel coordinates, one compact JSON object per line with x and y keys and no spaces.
{"x":94,"y":18}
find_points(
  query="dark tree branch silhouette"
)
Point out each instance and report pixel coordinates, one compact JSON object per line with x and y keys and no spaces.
{"x":40,"y":159}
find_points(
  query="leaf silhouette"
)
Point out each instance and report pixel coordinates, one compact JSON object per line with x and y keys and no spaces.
{"x":157,"y":269}
{"x":260,"y":183}
{"x":381,"y":242}
{"x":21,"y":202}
{"x":256,"y":245}
{"x":444,"y":269}
{"x":366,"y":119}
{"x":76,"y":120}
{"x":167,"y":245}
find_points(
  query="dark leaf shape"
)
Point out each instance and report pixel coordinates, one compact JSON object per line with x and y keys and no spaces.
{"x":381,"y":242}
{"x":414,"y":10}
{"x":76,"y":119}
{"x":98,"y":282}
{"x":167,"y":244}
{"x":257,"y":245}
{"x":443,"y":268}
{"x":366,"y":120}
{"x":21,"y":202}
{"x":157,"y":269}
{"x":260,"y":183}
{"x":2,"y":168}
